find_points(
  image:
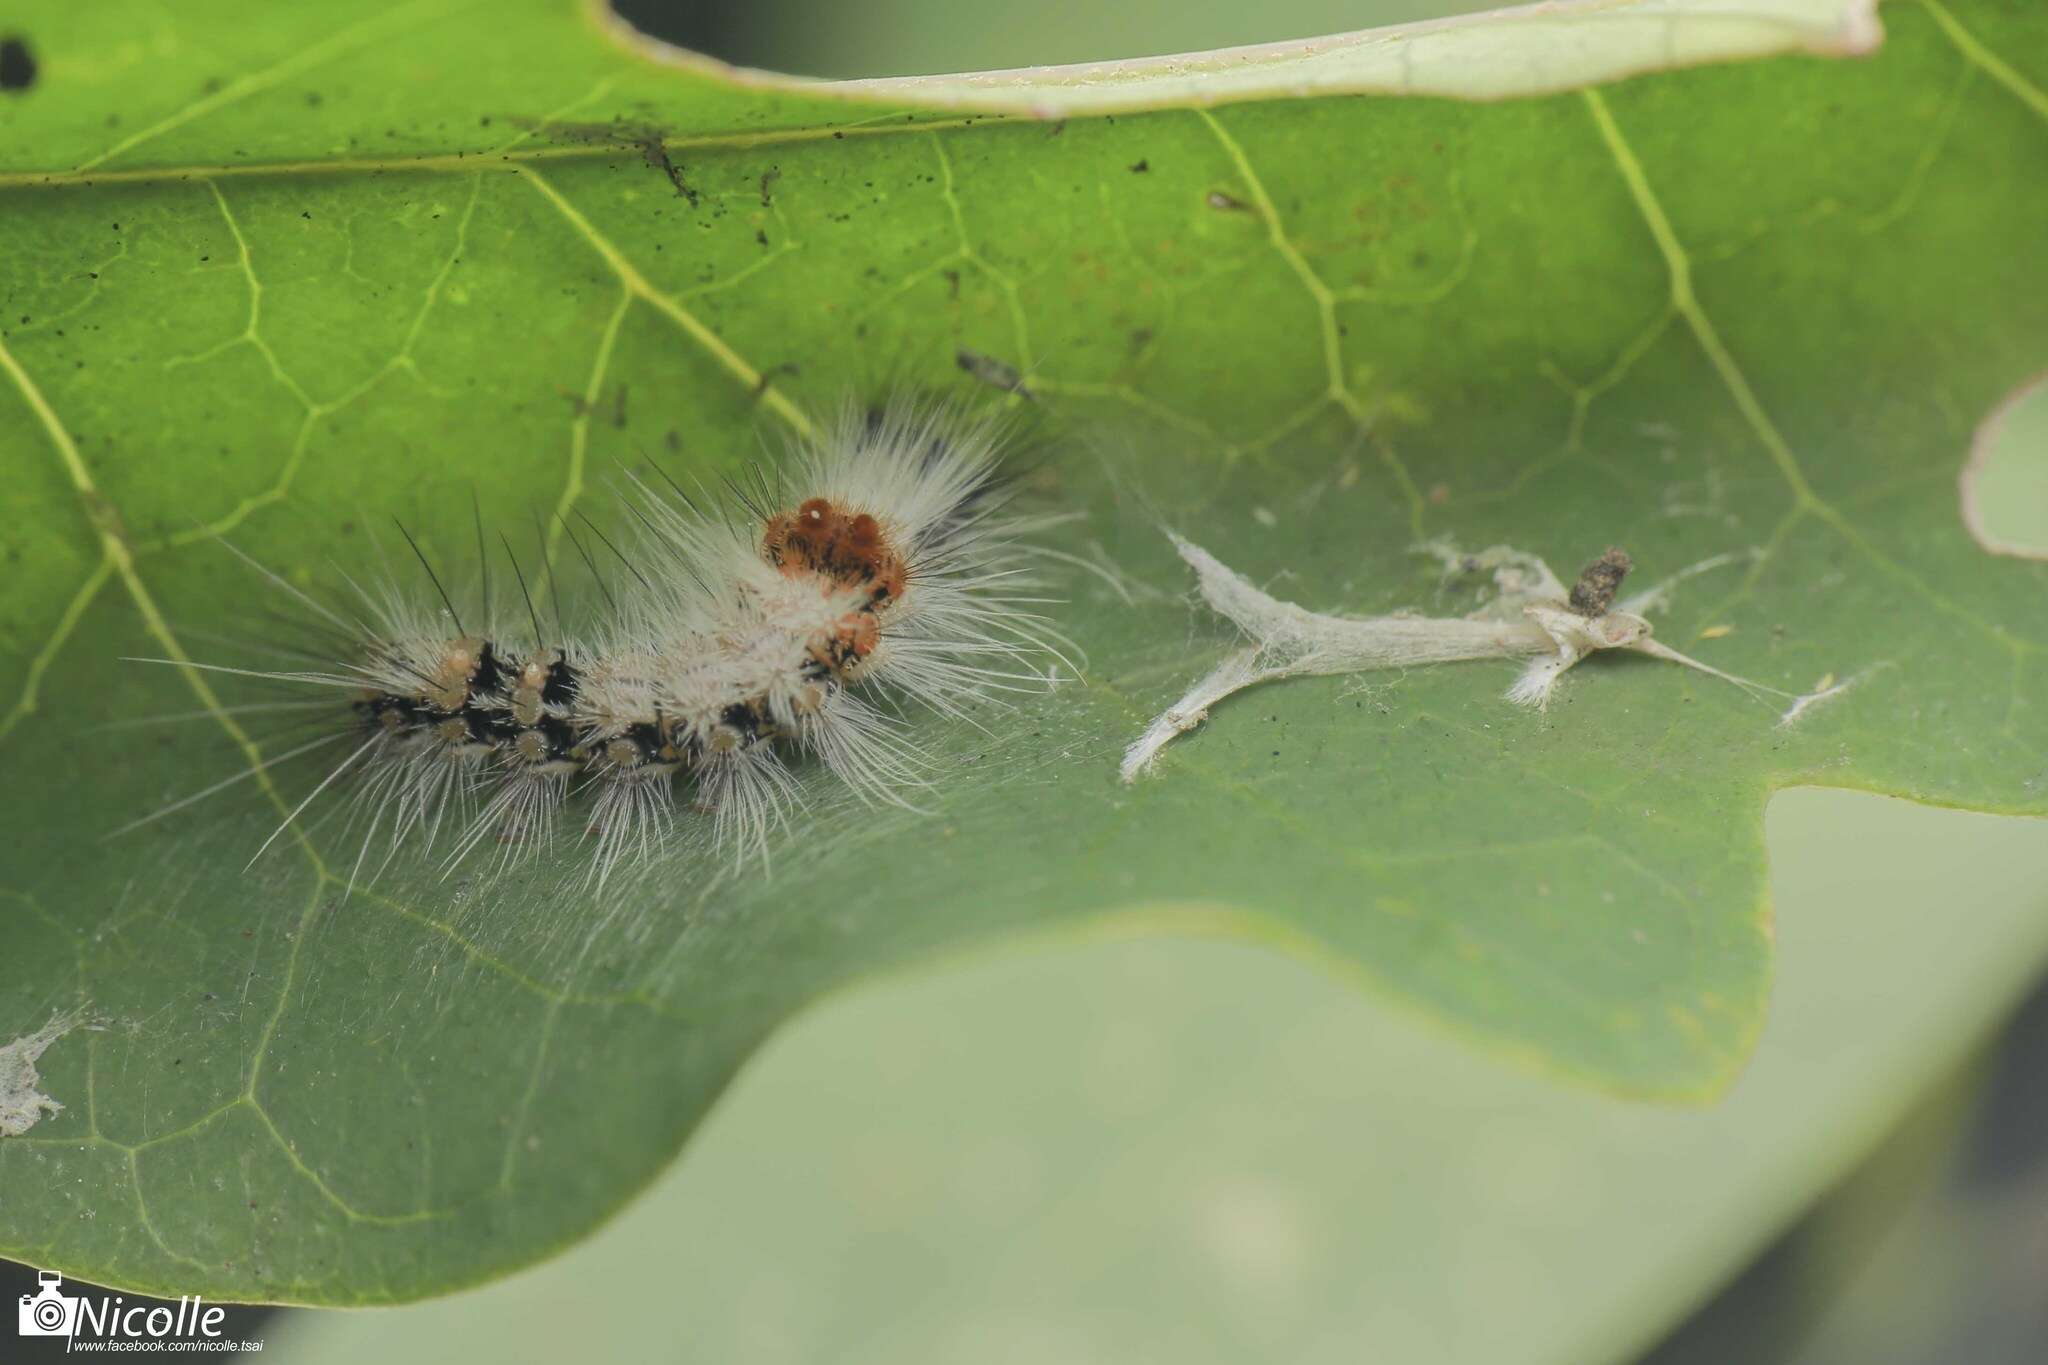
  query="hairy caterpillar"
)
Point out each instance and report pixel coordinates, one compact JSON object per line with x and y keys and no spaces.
{"x":875,"y":563}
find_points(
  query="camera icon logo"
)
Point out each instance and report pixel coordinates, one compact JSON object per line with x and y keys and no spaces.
{"x":46,"y":1313}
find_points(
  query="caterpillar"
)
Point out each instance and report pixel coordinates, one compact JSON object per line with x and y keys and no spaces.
{"x":787,"y":616}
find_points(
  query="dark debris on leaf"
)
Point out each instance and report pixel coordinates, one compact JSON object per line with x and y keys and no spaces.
{"x":17,"y":65}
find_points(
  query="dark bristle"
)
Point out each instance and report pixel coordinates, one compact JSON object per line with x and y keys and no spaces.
{"x":588,"y":563}
{"x":432,"y":577}
{"x":605,"y":540}
{"x":746,"y":499}
{"x":539,"y":640}
{"x":641,"y":517}
{"x":547,"y":569}
{"x":676,"y":488}
{"x":483,"y":557}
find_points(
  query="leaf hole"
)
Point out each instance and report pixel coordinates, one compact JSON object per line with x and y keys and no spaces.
{"x":2005,"y":480}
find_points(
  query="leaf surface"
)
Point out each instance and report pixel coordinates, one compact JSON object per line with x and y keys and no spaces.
{"x":283,"y":276}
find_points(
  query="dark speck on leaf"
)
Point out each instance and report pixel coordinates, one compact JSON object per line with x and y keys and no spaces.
{"x":303,"y":213}
{"x":1139,"y":168}
{"x":313,"y":99}
{"x":17,"y":65}
{"x":993,"y":372}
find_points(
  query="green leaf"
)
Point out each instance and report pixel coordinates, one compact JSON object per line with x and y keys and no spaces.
{"x":310,"y":269}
